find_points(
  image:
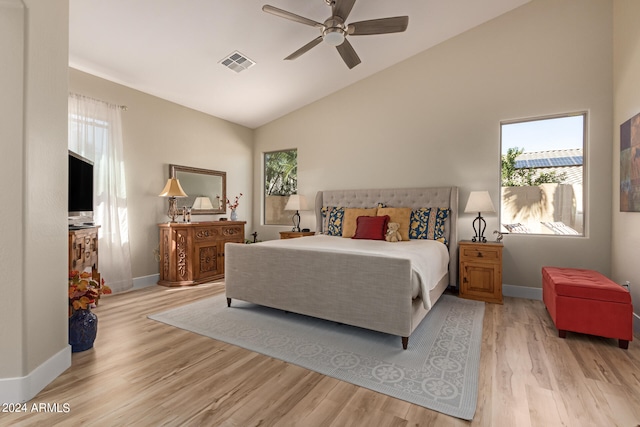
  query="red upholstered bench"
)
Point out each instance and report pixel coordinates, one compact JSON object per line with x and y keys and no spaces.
{"x":586,"y":301}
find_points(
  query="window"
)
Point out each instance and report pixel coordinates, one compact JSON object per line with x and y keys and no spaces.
{"x":280,"y":181}
{"x":542,"y":175}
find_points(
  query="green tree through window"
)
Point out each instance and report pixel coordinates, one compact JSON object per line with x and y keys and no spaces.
{"x":516,"y":177}
{"x":280,"y":181}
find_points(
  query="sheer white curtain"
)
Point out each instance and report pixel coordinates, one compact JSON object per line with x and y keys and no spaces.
{"x":95,"y":132}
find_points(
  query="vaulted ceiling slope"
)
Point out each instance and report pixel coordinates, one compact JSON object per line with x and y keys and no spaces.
{"x":173,"y":49}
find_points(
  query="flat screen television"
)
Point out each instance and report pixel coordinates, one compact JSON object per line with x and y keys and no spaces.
{"x":80,"y":190}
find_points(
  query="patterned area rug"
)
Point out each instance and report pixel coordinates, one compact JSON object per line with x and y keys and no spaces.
{"x":439,"y":370}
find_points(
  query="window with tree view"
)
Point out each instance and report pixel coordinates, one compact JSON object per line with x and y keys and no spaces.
{"x":280,"y":181}
{"x":542,"y":175}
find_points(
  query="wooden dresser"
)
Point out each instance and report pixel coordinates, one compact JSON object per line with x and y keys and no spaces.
{"x":481,"y":271}
{"x":193,"y":253}
{"x":83,"y":248}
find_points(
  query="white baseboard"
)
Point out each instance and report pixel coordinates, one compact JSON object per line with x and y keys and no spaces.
{"x":522,"y":292}
{"x":22,"y":389}
{"x":144,"y":281}
{"x":636,"y":323}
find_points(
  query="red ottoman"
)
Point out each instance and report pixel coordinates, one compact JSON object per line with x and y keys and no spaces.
{"x":585,"y":301}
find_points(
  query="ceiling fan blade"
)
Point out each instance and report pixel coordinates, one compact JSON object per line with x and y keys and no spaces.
{"x":342,"y":8}
{"x":307,"y":47}
{"x":378,"y":26}
{"x":290,"y":16}
{"x":348,"y":54}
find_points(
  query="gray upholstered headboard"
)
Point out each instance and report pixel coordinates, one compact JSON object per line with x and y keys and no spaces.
{"x":432,"y":197}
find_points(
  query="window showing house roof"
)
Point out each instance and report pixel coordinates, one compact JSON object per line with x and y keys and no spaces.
{"x":549,"y":159}
{"x":567,"y":161}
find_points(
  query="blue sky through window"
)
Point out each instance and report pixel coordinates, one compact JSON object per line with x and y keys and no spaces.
{"x":543,"y":135}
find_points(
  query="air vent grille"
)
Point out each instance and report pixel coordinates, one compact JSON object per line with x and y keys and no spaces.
{"x":237,"y":62}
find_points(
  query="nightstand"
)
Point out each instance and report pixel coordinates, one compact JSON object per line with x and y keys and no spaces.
{"x":481,"y":271}
{"x":294,"y":234}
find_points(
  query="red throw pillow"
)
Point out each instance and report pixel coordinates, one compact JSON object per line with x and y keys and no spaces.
{"x":371,"y":227}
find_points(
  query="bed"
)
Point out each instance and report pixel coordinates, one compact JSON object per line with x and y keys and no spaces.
{"x":359,"y":282}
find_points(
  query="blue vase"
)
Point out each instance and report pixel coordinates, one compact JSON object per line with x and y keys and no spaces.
{"x":234,"y":215}
{"x":83,"y":328}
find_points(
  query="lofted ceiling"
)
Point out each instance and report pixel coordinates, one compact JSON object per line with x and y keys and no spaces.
{"x":173,"y":48}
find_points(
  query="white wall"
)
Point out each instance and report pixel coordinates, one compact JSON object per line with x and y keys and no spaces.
{"x":435,"y":119}
{"x":157,"y":133}
{"x":33,"y":132}
{"x":626,"y":92}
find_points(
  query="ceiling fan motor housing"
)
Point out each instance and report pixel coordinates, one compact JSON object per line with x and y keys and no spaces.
{"x":334,"y":31}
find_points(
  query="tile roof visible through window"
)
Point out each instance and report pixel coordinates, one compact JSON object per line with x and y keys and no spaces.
{"x":567,"y":161}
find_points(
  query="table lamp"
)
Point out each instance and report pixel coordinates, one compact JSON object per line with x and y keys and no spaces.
{"x":296,"y":203}
{"x":172,"y":190}
{"x":479,"y":201}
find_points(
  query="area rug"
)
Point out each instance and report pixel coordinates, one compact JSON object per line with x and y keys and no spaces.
{"x":439,"y":370}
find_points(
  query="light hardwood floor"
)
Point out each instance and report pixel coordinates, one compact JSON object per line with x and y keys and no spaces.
{"x":145,"y":373}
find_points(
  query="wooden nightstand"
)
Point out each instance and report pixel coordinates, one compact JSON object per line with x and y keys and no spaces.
{"x":294,"y":234}
{"x":481,"y":271}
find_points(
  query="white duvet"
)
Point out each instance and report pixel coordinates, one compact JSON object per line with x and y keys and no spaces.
{"x":429,"y":258}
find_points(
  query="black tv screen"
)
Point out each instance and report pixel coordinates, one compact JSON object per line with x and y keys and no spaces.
{"x":80,"y":185}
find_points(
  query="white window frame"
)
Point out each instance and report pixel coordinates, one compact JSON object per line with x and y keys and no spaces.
{"x":552,"y":227}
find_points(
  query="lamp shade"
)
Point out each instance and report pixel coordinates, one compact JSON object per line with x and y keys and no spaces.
{"x":173,"y":189}
{"x":202,"y":202}
{"x":479,"y":201}
{"x":296,"y":203}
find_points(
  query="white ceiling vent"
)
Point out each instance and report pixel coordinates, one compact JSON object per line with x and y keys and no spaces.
{"x":237,"y":62}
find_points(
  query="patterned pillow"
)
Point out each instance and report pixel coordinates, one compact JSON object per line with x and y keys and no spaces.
{"x":332,"y":220}
{"x":428,"y":223}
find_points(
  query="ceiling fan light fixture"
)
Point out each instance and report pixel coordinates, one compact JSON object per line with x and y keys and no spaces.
{"x":333,"y":36}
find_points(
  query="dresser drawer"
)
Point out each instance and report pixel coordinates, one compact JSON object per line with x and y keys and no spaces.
{"x":203,"y":234}
{"x":232,"y":231}
{"x":477,"y":253}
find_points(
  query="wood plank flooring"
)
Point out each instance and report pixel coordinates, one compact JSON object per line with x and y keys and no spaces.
{"x":145,"y":373}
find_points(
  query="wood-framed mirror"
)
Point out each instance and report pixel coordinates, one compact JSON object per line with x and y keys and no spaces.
{"x":198,"y":183}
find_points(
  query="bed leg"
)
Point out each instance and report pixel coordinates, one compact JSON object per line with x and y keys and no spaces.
{"x":405,"y":342}
{"x":228,"y":302}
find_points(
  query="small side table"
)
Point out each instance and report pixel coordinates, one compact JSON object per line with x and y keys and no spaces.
{"x":295,"y":234}
{"x":481,"y":271}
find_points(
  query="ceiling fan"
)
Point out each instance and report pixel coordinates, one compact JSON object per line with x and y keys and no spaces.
{"x":334,"y":30}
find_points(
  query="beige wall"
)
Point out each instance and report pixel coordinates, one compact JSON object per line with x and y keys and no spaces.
{"x":157,"y":133}
{"x":435,"y":120}
{"x":33,"y":134}
{"x":626,"y":93}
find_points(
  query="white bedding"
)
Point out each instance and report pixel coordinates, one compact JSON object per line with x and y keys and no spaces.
{"x":429,"y":258}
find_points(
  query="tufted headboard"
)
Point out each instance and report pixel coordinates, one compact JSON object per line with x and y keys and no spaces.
{"x":433,"y":197}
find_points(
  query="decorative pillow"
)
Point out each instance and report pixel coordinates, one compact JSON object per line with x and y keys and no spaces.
{"x":428,"y":223}
{"x":371,"y":227}
{"x":350,"y":217}
{"x":400,"y":215}
{"x":332,"y":222}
